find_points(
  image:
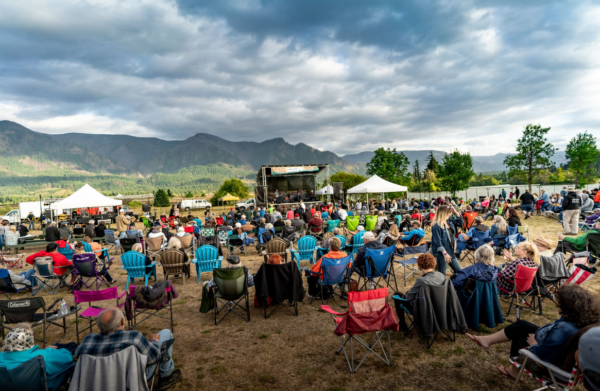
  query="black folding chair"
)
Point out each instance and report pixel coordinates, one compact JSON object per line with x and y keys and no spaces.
{"x":31,"y":375}
{"x":288,"y":280}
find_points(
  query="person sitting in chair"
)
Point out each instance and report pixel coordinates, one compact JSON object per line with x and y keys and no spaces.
{"x":371,"y":243}
{"x":57,"y":258}
{"x":528,"y":256}
{"x":483,"y":269}
{"x":80,"y":249}
{"x":576,"y":244}
{"x":316,"y":224}
{"x":90,"y":229}
{"x":112,"y":339}
{"x":426,"y":264}
{"x":233,"y":262}
{"x":414,"y":236}
{"x":316,"y":271}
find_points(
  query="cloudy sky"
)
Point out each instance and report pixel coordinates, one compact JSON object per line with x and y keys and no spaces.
{"x":345,"y":76}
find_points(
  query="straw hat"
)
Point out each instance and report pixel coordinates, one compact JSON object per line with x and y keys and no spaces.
{"x":543,"y":241}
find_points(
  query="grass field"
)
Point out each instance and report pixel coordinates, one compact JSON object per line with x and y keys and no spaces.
{"x":298,"y":353}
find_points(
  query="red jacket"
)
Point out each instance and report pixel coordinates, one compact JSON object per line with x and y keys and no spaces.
{"x":57,"y":258}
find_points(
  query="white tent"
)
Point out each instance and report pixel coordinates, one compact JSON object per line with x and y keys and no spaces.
{"x":86,"y":197}
{"x":326,"y":190}
{"x":376,"y":185}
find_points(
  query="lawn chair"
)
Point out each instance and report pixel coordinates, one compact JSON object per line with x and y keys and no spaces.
{"x":236,"y":242}
{"x":332,"y":224}
{"x":223,"y":235}
{"x":523,"y":229}
{"x":135,"y":265}
{"x":12,"y":262}
{"x":378,"y":263}
{"x":592,"y":243}
{"x":357,"y":242}
{"x":278,"y":284}
{"x":111,"y":242}
{"x":545,"y":284}
{"x":352,"y":222}
{"x":127,"y":244}
{"x":188,"y":244}
{"x":154,"y":247}
{"x":86,"y":266}
{"x":368,"y":312}
{"x":468,"y":220}
{"x":232,"y":289}
{"x":370,"y":222}
{"x":29,"y":376}
{"x":522,"y":289}
{"x":322,"y":250}
{"x":173,"y":264}
{"x":207,"y":259}
{"x":45,"y":277}
{"x":468,"y":248}
{"x":207,"y":232}
{"x":91,"y":313}
{"x":558,"y":380}
{"x":6,"y":286}
{"x":26,"y":310}
{"x":479,"y":301}
{"x":146,"y":222}
{"x":67,"y":252}
{"x":102,"y":253}
{"x":306,"y":250}
{"x":333,"y":278}
{"x":134,"y":308}
{"x":276,"y":246}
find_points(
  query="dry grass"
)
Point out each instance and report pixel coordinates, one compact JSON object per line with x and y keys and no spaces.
{"x":286,"y":352}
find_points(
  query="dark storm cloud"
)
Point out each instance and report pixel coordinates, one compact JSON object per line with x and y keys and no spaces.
{"x":345,"y":76}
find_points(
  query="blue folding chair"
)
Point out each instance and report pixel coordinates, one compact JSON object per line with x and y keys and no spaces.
{"x":207,"y":259}
{"x":377,"y":267}
{"x":6,"y":286}
{"x":322,"y":251}
{"x":479,"y":239}
{"x":29,"y":376}
{"x":67,"y":252}
{"x":350,"y":213}
{"x":261,"y":231}
{"x":514,"y":238}
{"x":357,"y":242}
{"x":111,"y":242}
{"x":306,"y":250}
{"x":135,"y":265}
{"x":334,"y":275}
{"x":408,"y":259}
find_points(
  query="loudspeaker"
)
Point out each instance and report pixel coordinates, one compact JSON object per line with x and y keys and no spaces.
{"x":146,"y":207}
{"x":261,"y":194}
{"x":338,"y":190}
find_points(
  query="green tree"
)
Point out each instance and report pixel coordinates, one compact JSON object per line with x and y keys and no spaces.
{"x":432,"y":164}
{"x":533,"y":154}
{"x":582,"y":153}
{"x":232,"y":186}
{"x":558,"y":176}
{"x":161,"y":198}
{"x":169,"y":193}
{"x":456,"y":171}
{"x":416,"y":171}
{"x":389,"y":165}
{"x":189,"y":195}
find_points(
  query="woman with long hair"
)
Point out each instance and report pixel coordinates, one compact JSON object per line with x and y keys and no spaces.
{"x":498,"y":229}
{"x":442,"y":240}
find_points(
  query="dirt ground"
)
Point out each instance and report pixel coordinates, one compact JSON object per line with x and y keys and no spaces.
{"x":286,"y":352}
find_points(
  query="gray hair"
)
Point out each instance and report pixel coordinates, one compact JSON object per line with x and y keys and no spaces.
{"x":175,"y":243}
{"x":478,"y":220}
{"x":137,"y":247}
{"x":91,"y":222}
{"x":109,"y":320}
{"x":485,"y":254}
{"x":288,"y":222}
{"x":53,"y":224}
{"x":336,"y":231}
{"x":24,"y":326}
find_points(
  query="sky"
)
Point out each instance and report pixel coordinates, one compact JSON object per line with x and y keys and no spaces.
{"x":345,"y":76}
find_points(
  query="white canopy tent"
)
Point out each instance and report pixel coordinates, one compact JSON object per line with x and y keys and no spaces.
{"x":86,"y":197}
{"x":326,"y":190}
{"x":376,"y":184}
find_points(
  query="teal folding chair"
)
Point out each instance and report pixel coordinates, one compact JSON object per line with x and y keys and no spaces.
{"x":332,"y":224}
{"x":306,"y":250}
{"x":135,"y":265}
{"x":207,"y":259}
{"x":88,"y":249}
{"x":322,"y":251}
{"x":357,"y":242}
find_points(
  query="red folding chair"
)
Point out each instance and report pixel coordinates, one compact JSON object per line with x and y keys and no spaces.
{"x":368,"y":312}
{"x":15,"y":261}
{"x":524,"y":277}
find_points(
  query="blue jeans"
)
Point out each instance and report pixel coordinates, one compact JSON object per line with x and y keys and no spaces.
{"x":545,"y":206}
{"x":560,"y":216}
{"x":31,"y":225}
{"x":442,"y":265}
{"x":166,"y":368}
{"x":596,"y":205}
{"x":29,"y":275}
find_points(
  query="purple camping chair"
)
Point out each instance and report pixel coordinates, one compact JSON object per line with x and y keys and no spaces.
{"x":133,"y":309}
{"x":85,"y":268}
{"x":92,"y":312}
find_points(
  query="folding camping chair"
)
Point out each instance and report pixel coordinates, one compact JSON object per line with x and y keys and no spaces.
{"x":26,"y":310}
{"x":468,"y":220}
{"x":91,"y":313}
{"x":368,"y":312}
{"x":134,"y":308}
{"x":236,"y":242}
{"x":357,"y":242}
{"x":103,"y":253}
{"x":370,"y":222}
{"x":29,"y":376}
{"x":523,"y":229}
{"x":283,"y":284}
{"x":468,"y":248}
{"x":545,"y":287}
{"x":86,"y":266}
{"x":592,"y":243}
{"x":15,"y":261}
{"x":558,"y":380}
{"x":222,"y":234}
{"x":6,"y":286}
{"x":352,"y":222}
{"x":46,"y":278}
{"x":334,"y":275}
{"x":522,"y":289}
{"x":322,"y":250}
{"x":332,"y":224}
{"x":134,"y":264}
{"x":66,"y":251}
{"x":318,"y":234}
{"x":154,"y":247}
{"x":378,"y":267}
{"x":207,"y":258}
{"x":172,"y":262}
{"x":188,"y":244}
{"x":111,"y":242}
{"x":306,"y":250}
{"x":231,"y":289}
{"x":207,"y":232}
{"x":276,"y":246}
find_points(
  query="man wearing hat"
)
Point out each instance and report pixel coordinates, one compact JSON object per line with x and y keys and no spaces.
{"x":571,"y":209}
{"x":544,"y":245}
{"x":593,"y":218}
{"x":588,"y":358}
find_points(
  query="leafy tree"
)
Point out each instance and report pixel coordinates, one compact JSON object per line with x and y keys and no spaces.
{"x":456,"y":171}
{"x":582,"y":153}
{"x":533,"y":154}
{"x":389,"y":165}
{"x":232,"y":186}
{"x":432,"y":164}
{"x":349,"y":179}
{"x":416,"y":171}
{"x":189,"y":195}
{"x":203,"y":194}
{"x":558,"y":176}
{"x":161,"y":198}
{"x":169,"y":193}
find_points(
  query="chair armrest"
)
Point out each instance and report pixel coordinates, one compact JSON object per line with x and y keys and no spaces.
{"x":396,"y":297}
{"x":549,"y":366}
{"x":328,"y":309}
{"x":194,"y":260}
{"x":152,"y":264}
{"x":122,"y":294}
{"x":122,"y":267}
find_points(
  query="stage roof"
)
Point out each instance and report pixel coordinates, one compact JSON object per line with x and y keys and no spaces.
{"x":290,"y":170}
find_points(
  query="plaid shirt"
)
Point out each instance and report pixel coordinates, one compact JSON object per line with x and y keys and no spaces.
{"x":101,"y":345}
{"x":509,"y":271}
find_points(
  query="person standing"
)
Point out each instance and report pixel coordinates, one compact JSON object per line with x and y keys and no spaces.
{"x":527,"y":201}
{"x":442,"y":242}
{"x":517,"y":192}
{"x":122,"y":222}
{"x":31,"y":220}
{"x":503,"y":194}
{"x":571,"y":209}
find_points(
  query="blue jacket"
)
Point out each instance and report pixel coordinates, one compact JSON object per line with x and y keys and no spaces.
{"x":57,"y":362}
{"x":504,"y":194}
{"x":418,"y":232}
{"x":494,"y":233}
{"x":545,"y":197}
{"x":440,"y":241}
{"x":551,"y":340}
{"x":478,"y":271}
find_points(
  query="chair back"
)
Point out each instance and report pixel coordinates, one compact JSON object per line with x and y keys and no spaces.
{"x":468,"y":219}
{"x":189,"y":229}
{"x":378,"y":261}
{"x":21,"y":310}
{"x":146,"y":222}
{"x":523,"y":229}
{"x":481,"y":238}
{"x":219,"y":220}
{"x":512,"y":230}
{"x":352,"y":222}
{"x":29,"y":376}
{"x":43,"y":267}
{"x":207,"y":232}
{"x":154,"y":244}
{"x":276,"y":246}
{"x":66,"y":251}
{"x":133,"y":236}
{"x":306,"y":247}
{"x":524,"y":278}
{"x":592,"y":243}
{"x":368,"y":301}
{"x":109,"y":235}
{"x":6,"y":285}
{"x":357,"y":241}
{"x":370,"y":222}
{"x":186,"y":241}
{"x":172,"y":261}
{"x":87,"y":247}
{"x":261,"y":231}
{"x":134,"y":263}
{"x":207,"y":258}
{"x":342,"y":240}
{"x":513,"y":240}
{"x":411,"y":250}
{"x":90,"y":296}
{"x":127,"y":243}
{"x":84,"y":264}
{"x":231,"y":283}
{"x":335,"y":270}
{"x":331,"y":224}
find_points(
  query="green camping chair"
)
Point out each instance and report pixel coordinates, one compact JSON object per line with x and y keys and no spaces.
{"x":352,"y":222}
{"x":231,"y":289}
{"x":370,"y":223}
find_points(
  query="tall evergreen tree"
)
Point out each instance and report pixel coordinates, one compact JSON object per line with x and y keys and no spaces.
{"x":417,"y":171}
{"x":432,"y":164}
{"x":582,"y":153}
{"x":161,"y":198}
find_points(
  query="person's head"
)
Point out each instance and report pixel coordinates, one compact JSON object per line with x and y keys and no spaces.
{"x":122,"y":212}
{"x":110,"y":320}
{"x":288,"y":223}
{"x":268,"y":226}
{"x":87,"y":239}
{"x":274,"y":259}
{"x":513,"y":213}
{"x":336,"y":231}
{"x":5,"y":223}
{"x":416,"y":224}
{"x":13,"y":228}
{"x":335,"y":244}
{"x":570,"y":189}
{"x":317,"y":215}
{"x":528,"y":250}
{"x":500,"y":224}
{"x":91,"y":222}
{"x":51,"y":247}
{"x":426,"y":262}
{"x":233,"y":261}
{"x":360,"y":228}
{"x":380,"y":213}
{"x":578,"y":305}
{"x":543,"y":243}
{"x":444,"y":212}
{"x":180,"y":230}
{"x":406,"y":217}
{"x":588,"y":357}
{"x":478,"y":220}
{"x":79,"y":247}
{"x":485,"y":254}
{"x":238,"y":225}
{"x":565,"y":187}
{"x":19,"y":339}
{"x":138,"y":248}
{"x":469,"y":208}
{"x":262,"y":220}
{"x":394,"y":230}
{"x":368,"y":237}
{"x":175,"y":243}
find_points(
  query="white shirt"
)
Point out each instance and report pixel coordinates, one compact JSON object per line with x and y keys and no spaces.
{"x":302,"y":205}
{"x":343,"y":214}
